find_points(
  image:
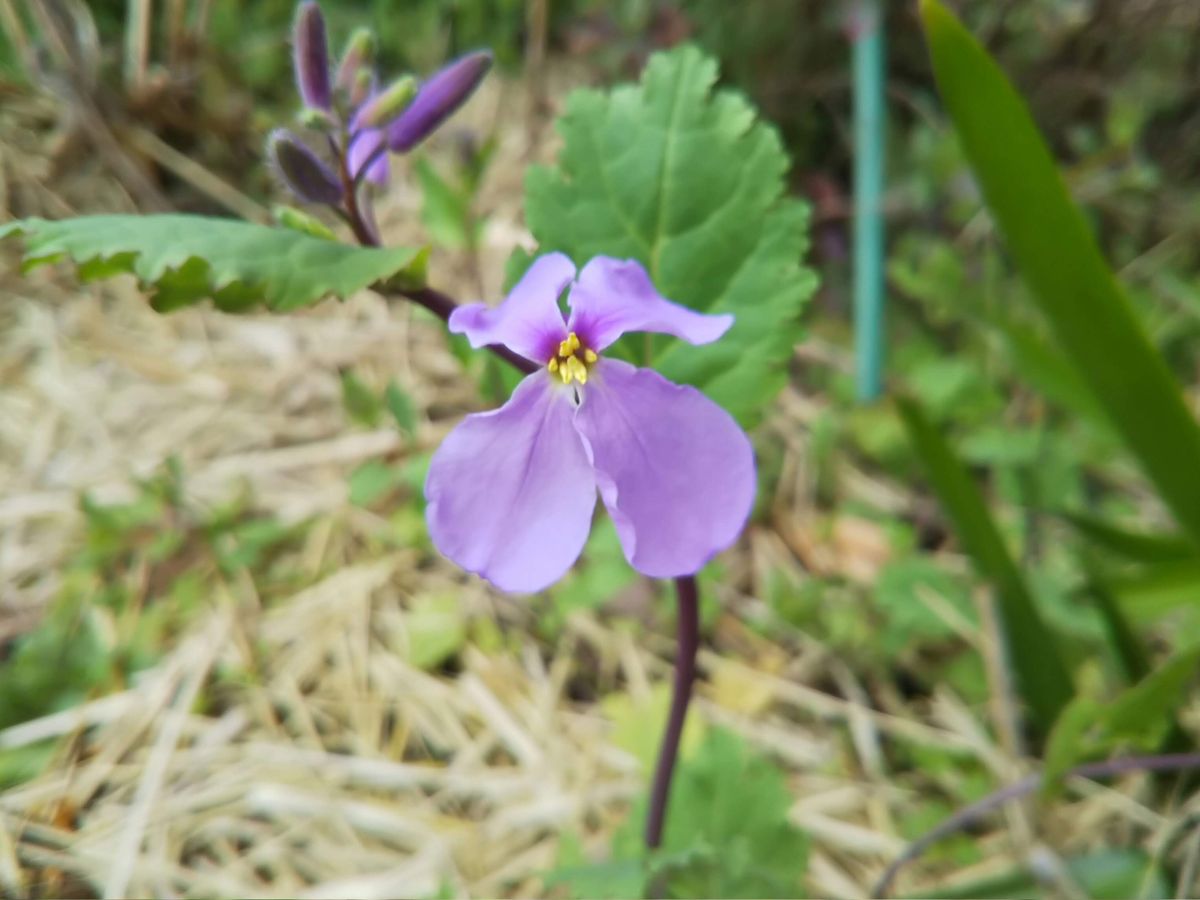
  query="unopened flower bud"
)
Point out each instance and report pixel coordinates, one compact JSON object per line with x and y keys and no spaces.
{"x":361,"y":89}
{"x":296,"y":220}
{"x":444,"y":92}
{"x":316,"y":119}
{"x":311,"y":55}
{"x":360,"y":50}
{"x":387,"y":104}
{"x":301,"y":170}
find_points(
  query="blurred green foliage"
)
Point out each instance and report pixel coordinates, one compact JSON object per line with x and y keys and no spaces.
{"x":728,"y":835}
{"x":143,"y":570}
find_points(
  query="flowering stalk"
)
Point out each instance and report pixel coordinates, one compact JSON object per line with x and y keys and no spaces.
{"x":609,"y":298}
{"x":687,"y":599}
{"x":681,"y":695}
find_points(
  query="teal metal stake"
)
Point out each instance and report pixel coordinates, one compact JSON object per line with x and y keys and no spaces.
{"x":866,"y":35}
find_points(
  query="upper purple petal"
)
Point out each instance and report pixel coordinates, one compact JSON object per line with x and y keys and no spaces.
{"x":529,"y":321}
{"x":511,"y":492}
{"x":444,"y":92}
{"x":615,"y":296}
{"x":310,"y":55}
{"x":674,"y":469}
{"x":363,"y":146}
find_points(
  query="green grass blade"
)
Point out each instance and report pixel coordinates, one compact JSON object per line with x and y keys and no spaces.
{"x":1042,"y":677}
{"x":1136,"y":546}
{"x":1053,"y":248}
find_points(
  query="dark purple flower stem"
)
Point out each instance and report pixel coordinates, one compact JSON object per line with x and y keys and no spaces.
{"x":353,"y":210}
{"x":968,"y":815}
{"x":686,"y":593}
{"x":688,"y":643}
{"x":431,"y":299}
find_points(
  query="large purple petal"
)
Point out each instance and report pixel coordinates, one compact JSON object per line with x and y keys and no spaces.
{"x":511,"y":492}
{"x":529,"y":321}
{"x":363,"y":146}
{"x":614,"y":296}
{"x":673,"y":468}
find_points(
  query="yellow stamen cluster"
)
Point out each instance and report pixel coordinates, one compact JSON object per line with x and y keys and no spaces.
{"x":572,"y":361}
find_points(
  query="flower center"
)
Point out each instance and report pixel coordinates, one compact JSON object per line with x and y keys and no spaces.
{"x":572,"y":361}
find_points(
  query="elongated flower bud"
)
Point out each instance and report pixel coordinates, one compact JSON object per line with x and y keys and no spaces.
{"x":301,"y":170}
{"x":364,"y":82}
{"x":311,"y":55}
{"x":444,"y":92}
{"x":360,"y":50}
{"x":387,"y":104}
{"x":316,"y":119}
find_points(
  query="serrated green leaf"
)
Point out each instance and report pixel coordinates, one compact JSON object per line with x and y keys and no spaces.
{"x":183,"y":259}
{"x":1051,"y":244}
{"x":690,"y":183}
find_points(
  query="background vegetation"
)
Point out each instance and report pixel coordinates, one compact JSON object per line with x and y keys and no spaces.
{"x":212,"y":546}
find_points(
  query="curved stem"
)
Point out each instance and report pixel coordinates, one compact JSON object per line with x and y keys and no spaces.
{"x":442,"y":306}
{"x":685,"y":677}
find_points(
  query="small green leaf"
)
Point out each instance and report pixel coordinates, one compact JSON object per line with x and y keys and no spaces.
{"x":1043,"y":679}
{"x":1132,"y":545}
{"x":445,"y":208}
{"x":1069,"y":741}
{"x":372,"y":481}
{"x":437,"y":629}
{"x":1053,"y":247}
{"x":361,"y":403}
{"x":1147,"y":707}
{"x":183,"y":259}
{"x":638,"y":725}
{"x":1164,"y":588}
{"x":400,"y":405}
{"x":690,"y":183}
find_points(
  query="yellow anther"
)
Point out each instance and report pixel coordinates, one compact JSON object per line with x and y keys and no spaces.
{"x":564,"y":372}
{"x":590,"y":356}
{"x":573,"y":340}
{"x":553,"y":365}
{"x":578,"y":371}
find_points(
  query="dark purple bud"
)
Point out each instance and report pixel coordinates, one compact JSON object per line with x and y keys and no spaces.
{"x":444,"y":92}
{"x":311,"y":55}
{"x":302,"y":171}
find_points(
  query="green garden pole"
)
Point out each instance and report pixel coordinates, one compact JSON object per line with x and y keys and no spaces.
{"x":866,"y":35}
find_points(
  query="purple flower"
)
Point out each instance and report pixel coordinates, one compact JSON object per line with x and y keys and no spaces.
{"x":367,"y":144}
{"x":444,"y":92}
{"x":511,"y":492}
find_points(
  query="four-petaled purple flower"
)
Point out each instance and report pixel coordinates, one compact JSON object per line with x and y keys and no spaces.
{"x":511,"y":492}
